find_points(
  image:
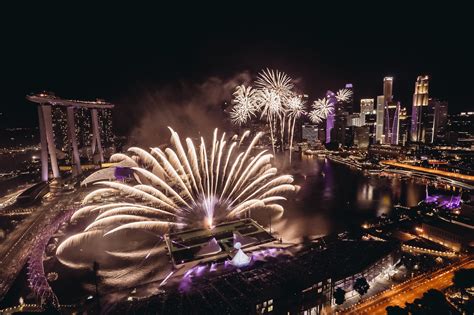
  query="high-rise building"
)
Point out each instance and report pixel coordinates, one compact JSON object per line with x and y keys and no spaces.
{"x":349,"y":104}
{"x":342,"y":119}
{"x":428,"y":123}
{"x":391,"y":113}
{"x":440,"y":119}
{"x":331,"y":117}
{"x":379,"y":136}
{"x":355,"y":120}
{"x":420,"y":101}
{"x":366,"y":107}
{"x":311,"y":133}
{"x":362,"y":136}
{"x":404,"y":126}
{"x":371,"y":122}
{"x":461,"y":129}
{"x":83,"y":124}
{"x":105,"y":123}
{"x":388,"y":89}
{"x":60,"y":130}
{"x":391,"y":122}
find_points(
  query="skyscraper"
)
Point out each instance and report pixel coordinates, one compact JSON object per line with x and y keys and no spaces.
{"x":60,"y":131}
{"x":391,"y":113}
{"x":420,"y":101}
{"x":349,"y":104}
{"x":366,"y":107}
{"x":331,"y":117}
{"x":403,"y":129}
{"x":388,"y":89}
{"x":379,"y":137}
{"x":440,"y":119}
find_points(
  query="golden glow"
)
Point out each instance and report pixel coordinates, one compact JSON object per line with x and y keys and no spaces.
{"x":429,"y":170}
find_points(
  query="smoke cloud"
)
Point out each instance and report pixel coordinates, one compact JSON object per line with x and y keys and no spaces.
{"x":190,"y":109}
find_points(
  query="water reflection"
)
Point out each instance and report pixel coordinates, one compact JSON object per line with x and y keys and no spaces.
{"x":334,"y":197}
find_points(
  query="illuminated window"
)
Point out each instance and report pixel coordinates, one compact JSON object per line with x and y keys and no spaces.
{"x":264,"y":307}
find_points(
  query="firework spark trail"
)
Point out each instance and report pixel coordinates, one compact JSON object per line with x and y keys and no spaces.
{"x":193,"y":187}
{"x":271,"y":109}
{"x":343,"y":95}
{"x":245,"y":104}
{"x":279,"y":84}
{"x":275,"y":80}
{"x":322,"y":108}
{"x":295,"y":110}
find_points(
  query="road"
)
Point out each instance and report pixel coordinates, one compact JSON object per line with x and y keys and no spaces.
{"x":459,"y":176}
{"x":409,"y":291}
{"x":14,"y":251}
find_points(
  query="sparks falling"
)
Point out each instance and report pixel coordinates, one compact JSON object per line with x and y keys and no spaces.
{"x":322,"y":108}
{"x":343,"y":95}
{"x":197,"y":186}
{"x":245,"y":104}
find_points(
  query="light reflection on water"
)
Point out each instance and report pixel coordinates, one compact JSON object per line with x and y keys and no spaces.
{"x":334,"y":197}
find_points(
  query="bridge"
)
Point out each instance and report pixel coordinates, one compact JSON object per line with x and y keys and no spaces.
{"x":454,"y":179}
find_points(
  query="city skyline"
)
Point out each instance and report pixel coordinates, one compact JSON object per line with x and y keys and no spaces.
{"x":259,"y":159}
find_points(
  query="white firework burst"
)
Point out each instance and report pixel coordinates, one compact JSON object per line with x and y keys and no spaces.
{"x":245,"y":104}
{"x":275,"y":80}
{"x":344,"y":95}
{"x":322,"y":108}
{"x":270,"y":103}
{"x":294,"y":110}
{"x":197,"y":186}
{"x":314,"y":117}
{"x":295,"y":107}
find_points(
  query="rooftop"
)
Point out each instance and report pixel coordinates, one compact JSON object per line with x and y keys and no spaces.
{"x":236,"y":291}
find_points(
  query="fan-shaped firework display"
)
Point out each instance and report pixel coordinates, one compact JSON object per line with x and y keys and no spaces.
{"x":184,"y":186}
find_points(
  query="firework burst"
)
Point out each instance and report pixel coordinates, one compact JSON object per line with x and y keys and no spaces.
{"x":245,"y":104}
{"x":275,"y":80}
{"x":322,"y":108}
{"x":199,"y":186}
{"x":294,"y":110}
{"x":343,"y":95}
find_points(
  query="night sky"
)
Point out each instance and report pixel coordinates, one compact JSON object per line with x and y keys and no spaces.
{"x":94,"y":53}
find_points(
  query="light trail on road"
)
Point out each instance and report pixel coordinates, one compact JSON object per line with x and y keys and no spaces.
{"x":409,"y":291}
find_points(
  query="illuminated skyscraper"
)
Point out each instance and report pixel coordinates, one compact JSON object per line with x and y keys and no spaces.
{"x":310,"y":133}
{"x":349,"y":104}
{"x":391,"y":113}
{"x":440,"y":119}
{"x":105,"y":124}
{"x":404,"y":125}
{"x":366,"y":107}
{"x":388,"y":89}
{"x":331,"y":117}
{"x":379,"y":137}
{"x":60,"y":128}
{"x":420,"y":101}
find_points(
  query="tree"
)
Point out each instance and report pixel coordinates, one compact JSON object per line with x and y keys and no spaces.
{"x":361,"y":286}
{"x":463,"y":279}
{"x":340,"y":296}
{"x":432,"y":302}
{"x":396,"y":310}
